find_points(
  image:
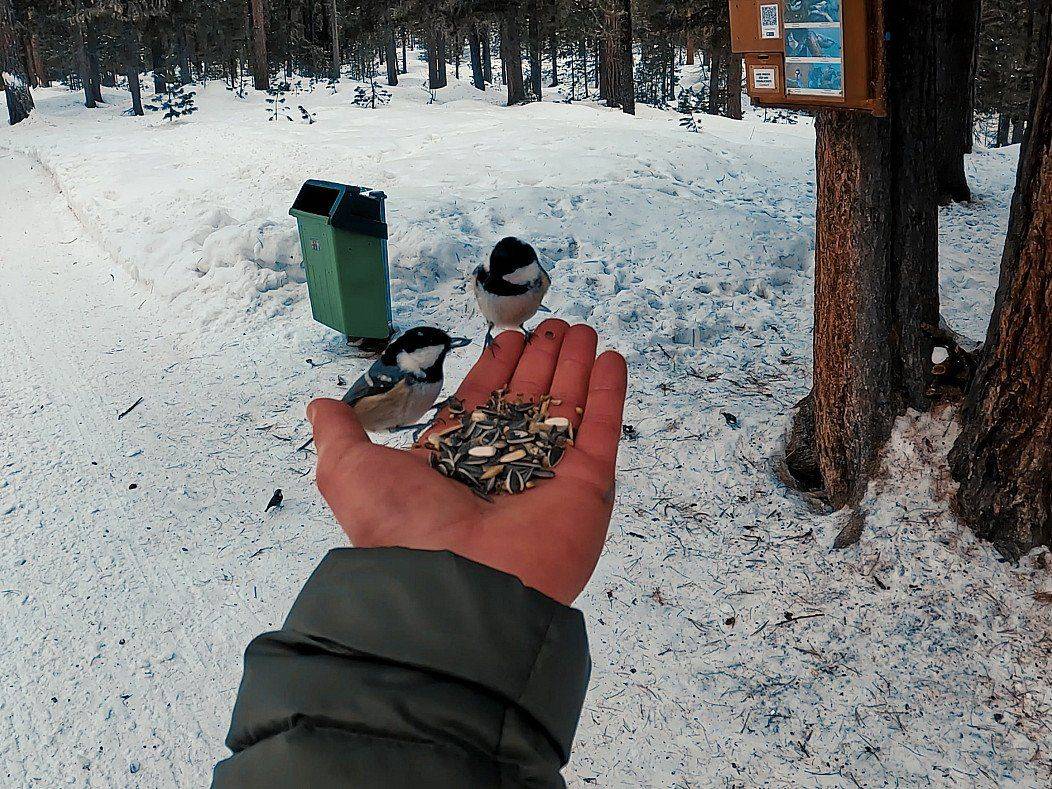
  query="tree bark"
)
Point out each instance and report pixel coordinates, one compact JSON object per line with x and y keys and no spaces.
{"x":83,"y":69}
{"x":876,"y":269}
{"x":157,"y":59}
{"x":511,"y":52}
{"x":405,"y":63}
{"x":1003,"y":457}
{"x":715,"y":63}
{"x":734,"y":86}
{"x":690,"y":48}
{"x":626,"y":63}
{"x":16,"y":87}
{"x":392,"y":57}
{"x":1018,"y":130}
{"x":915,"y":236}
{"x":957,"y":26}
{"x":535,"y":52}
{"x":553,"y":55}
{"x":478,"y":77}
{"x":853,"y":406}
{"x":92,"y":51}
{"x":334,"y":33}
{"x":260,"y":62}
{"x":487,"y":56}
{"x":1004,"y":127}
{"x":436,"y":55}
{"x":132,"y":63}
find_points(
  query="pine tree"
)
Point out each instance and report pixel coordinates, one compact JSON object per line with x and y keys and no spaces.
{"x":176,"y":102}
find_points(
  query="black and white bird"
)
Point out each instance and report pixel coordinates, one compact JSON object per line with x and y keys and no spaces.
{"x":403,"y":384}
{"x":510,"y":286}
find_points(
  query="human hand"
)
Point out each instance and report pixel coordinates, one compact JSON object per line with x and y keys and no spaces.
{"x":550,"y":537}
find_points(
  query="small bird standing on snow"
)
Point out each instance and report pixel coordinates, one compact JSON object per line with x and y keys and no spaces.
{"x":510,"y":286}
{"x":403,"y":384}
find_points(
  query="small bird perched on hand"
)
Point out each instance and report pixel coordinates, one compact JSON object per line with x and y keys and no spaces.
{"x":510,"y":286}
{"x":403,"y":384}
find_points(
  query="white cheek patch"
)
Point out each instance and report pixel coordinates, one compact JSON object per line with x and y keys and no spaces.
{"x":419,"y":360}
{"x":524,"y":275}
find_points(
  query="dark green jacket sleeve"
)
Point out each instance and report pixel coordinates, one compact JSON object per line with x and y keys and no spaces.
{"x":402,"y":668}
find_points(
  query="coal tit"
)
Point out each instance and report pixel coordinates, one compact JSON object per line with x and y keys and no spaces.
{"x":403,"y":384}
{"x":510,"y":286}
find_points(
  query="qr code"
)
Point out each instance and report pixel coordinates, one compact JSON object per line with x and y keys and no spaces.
{"x":769,"y":21}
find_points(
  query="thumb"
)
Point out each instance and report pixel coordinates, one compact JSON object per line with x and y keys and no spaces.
{"x":336,"y":429}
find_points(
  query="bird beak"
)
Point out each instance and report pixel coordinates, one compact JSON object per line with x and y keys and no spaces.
{"x":459,"y":342}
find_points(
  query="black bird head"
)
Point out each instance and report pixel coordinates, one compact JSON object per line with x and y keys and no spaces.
{"x":509,"y":255}
{"x":421,"y":350}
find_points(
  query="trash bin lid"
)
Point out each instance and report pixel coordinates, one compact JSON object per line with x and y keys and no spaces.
{"x":349,"y":208}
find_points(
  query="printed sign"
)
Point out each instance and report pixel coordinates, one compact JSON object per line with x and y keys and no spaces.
{"x":812,"y":11}
{"x":765,"y":79}
{"x":814,"y":79}
{"x":814,"y":48}
{"x":769,"y":21}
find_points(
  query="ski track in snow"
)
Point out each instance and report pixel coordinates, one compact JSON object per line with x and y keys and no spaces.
{"x":731,"y":648}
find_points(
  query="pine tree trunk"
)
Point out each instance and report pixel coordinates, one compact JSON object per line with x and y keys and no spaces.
{"x":260,"y":63}
{"x":734,"y":86}
{"x":334,"y":33}
{"x":487,"y":55}
{"x":392,"y":57}
{"x":92,"y":51}
{"x":436,"y":56}
{"x":511,"y":52}
{"x":405,"y":63}
{"x":690,"y":48}
{"x":715,"y":63}
{"x":535,"y":53}
{"x":876,"y":270}
{"x":157,"y":59}
{"x":1004,"y":127}
{"x":915,"y":237}
{"x":132,"y":64}
{"x":1003,"y":457}
{"x":34,"y":58}
{"x":83,"y":69}
{"x":16,"y":88}
{"x":553,"y":55}
{"x":478,"y":77}
{"x":1018,"y":130}
{"x":626,"y":63}
{"x":957,"y":28}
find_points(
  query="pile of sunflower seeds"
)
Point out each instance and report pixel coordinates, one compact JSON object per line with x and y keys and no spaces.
{"x":502,"y":446}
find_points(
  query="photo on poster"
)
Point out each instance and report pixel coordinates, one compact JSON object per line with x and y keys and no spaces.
{"x":812,"y":42}
{"x":812,"y":11}
{"x":814,"y":79}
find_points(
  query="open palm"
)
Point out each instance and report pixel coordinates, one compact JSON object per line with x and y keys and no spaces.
{"x":551,"y":536}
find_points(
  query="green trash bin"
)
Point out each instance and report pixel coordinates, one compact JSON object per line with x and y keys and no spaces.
{"x":343,"y":235}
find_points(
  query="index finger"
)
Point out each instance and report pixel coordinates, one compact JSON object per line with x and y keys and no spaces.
{"x":600,"y":431}
{"x":491,"y":372}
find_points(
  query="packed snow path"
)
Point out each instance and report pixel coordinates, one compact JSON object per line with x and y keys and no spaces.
{"x":731,"y":648}
{"x":122,"y":617}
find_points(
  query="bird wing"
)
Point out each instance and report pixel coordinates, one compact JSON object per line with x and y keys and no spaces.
{"x":376,"y":380}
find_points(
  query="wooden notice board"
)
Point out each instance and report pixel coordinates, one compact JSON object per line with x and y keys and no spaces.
{"x":811,"y":54}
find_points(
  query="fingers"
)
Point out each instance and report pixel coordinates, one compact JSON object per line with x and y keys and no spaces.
{"x":533,"y":376}
{"x":492,"y":371}
{"x":600,"y":430}
{"x":336,"y":431}
{"x":573,"y":372}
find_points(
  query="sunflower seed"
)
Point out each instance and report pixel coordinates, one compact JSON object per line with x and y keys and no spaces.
{"x":482,"y":452}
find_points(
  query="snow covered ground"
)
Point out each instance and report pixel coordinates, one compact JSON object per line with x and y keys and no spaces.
{"x":731,"y":647}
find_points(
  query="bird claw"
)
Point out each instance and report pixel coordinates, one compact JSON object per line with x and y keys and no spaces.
{"x":489,"y":342}
{"x":527,"y":333}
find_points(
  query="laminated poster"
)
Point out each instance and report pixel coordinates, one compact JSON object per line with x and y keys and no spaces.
{"x":814,"y":48}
